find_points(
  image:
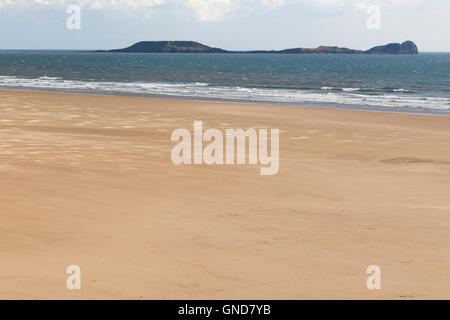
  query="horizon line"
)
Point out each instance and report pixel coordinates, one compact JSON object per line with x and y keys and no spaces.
{"x":92,"y":50}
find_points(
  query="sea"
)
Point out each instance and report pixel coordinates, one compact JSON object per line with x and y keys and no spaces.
{"x":389,"y":83}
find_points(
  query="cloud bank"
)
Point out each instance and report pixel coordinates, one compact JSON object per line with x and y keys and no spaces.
{"x":217,"y":10}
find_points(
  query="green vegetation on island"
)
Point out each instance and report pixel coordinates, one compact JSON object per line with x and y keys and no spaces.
{"x":407,"y":47}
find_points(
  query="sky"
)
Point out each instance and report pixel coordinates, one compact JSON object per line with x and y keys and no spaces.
{"x":228,"y":24}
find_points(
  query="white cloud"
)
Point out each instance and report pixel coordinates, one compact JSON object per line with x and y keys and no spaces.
{"x":212,"y":10}
{"x":93,"y":4}
{"x":363,"y":4}
{"x":273,"y":3}
{"x":134,"y":4}
{"x":216,"y":10}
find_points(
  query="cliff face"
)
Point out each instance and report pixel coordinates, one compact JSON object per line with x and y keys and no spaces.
{"x":407,"y":47}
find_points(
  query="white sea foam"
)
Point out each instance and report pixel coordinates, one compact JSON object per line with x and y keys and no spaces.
{"x":349,"y":96}
{"x":403,"y":90}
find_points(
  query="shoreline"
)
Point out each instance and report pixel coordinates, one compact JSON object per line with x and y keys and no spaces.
{"x":327,"y":106}
{"x":88,"y":180}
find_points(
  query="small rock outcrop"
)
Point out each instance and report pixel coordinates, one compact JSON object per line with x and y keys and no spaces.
{"x":407,"y":47}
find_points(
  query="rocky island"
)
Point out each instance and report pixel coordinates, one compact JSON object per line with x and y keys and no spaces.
{"x":407,"y":47}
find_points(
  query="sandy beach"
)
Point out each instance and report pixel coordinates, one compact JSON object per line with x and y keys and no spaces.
{"x":89,"y":181}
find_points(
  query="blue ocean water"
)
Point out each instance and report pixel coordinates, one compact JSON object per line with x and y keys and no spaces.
{"x":398,"y":83}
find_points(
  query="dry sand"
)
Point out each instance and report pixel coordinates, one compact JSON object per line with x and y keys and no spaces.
{"x":88,"y":180}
